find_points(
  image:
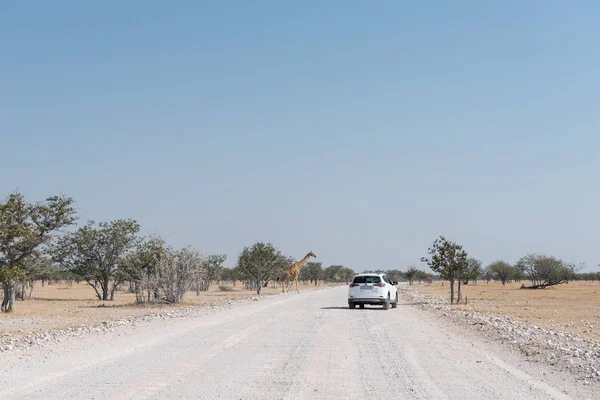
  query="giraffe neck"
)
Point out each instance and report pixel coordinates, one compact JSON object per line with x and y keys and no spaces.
{"x":301,"y":263}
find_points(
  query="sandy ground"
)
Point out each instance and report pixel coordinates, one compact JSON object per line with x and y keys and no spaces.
{"x":60,"y":306}
{"x":306,"y":346}
{"x":573,"y":307}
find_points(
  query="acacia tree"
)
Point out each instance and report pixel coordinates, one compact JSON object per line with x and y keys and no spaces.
{"x":230,"y":275}
{"x":35,"y":267}
{"x":347,"y":274}
{"x":260,"y":263}
{"x":447,"y":259}
{"x":333,"y":273}
{"x":423,"y":276}
{"x":544,"y":271}
{"x":411,"y":274}
{"x":502,"y":271}
{"x":177,"y":272}
{"x":470,"y":270}
{"x":487,"y":274}
{"x":24,"y":229}
{"x":98,"y":254}
{"x":395,"y":275}
{"x":213,"y":267}
{"x":141,"y":267}
{"x":312,"y":271}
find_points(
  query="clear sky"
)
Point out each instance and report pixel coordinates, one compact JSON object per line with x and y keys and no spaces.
{"x":359,"y":130}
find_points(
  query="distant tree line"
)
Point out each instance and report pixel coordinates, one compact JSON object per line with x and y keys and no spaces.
{"x":109,"y":255}
{"x":452,"y":263}
{"x":411,"y":275}
{"x":588,"y":276}
{"x":541,"y":270}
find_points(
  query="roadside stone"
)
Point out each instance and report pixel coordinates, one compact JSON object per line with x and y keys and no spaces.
{"x":564,"y":350}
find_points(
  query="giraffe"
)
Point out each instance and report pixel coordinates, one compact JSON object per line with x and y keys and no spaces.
{"x":292,"y":272}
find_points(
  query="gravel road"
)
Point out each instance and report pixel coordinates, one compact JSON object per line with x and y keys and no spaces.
{"x":306,"y":346}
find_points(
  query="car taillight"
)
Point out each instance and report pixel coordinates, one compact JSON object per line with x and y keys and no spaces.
{"x":354,"y":284}
{"x":379,"y":284}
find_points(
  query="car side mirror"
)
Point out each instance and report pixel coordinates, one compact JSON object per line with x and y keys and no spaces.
{"x":394,"y":283}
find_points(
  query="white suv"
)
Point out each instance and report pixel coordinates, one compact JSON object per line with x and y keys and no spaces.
{"x":372,"y":289}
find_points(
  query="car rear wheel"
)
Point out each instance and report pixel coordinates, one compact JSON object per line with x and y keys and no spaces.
{"x":362,"y":306}
{"x":395,"y":303}
{"x":351,"y":305}
{"x":386,"y":303}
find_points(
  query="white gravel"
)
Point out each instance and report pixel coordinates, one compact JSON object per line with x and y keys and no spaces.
{"x":25,"y":340}
{"x":564,"y":350}
{"x":306,"y":346}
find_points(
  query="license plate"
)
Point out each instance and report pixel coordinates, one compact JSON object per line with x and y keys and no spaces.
{"x":366,"y":288}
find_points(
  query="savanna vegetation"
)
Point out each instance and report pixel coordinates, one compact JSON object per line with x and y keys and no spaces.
{"x":40,"y":242}
{"x":452,"y":263}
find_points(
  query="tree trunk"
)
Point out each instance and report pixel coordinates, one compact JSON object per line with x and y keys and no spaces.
{"x":12,"y":300}
{"x":95,"y":286}
{"x":115,"y":284}
{"x":5,"y":297}
{"x":31,"y":285}
{"x":458,"y":294}
{"x":539,"y":286}
{"x":451,"y":291}
{"x":10,"y":290}
{"x":20,"y":290}
{"x":104,"y":285}
{"x":258,"y":286}
{"x":138,"y":289}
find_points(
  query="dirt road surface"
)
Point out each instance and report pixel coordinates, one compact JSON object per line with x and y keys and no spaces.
{"x":306,"y":346}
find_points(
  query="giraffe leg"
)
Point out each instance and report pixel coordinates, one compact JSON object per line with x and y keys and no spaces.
{"x":297,"y":286}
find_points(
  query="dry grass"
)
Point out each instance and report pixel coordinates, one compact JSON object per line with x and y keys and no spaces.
{"x":571,"y":307}
{"x":60,"y":306}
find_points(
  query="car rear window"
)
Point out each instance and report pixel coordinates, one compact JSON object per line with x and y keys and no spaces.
{"x":367,"y":279}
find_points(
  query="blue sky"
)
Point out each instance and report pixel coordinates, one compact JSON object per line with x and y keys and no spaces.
{"x":359,"y":130}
